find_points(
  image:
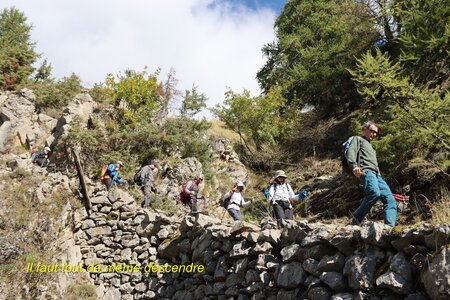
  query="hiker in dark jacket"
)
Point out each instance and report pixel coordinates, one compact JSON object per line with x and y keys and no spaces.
{"x":40,"y":157}
{"x":147,"y":174}
{"x":190,"y":193}
{"x":112,"y":174}
{"x":236,"y":200}
{"x":362,"y":159}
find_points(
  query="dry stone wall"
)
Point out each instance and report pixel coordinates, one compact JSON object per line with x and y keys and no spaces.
{"x":244,"y":261}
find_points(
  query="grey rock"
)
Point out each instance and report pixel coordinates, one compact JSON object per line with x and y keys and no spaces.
{"x":332,"y":263}
{"x":342,"y":296}
{"x":294,"y":232}
{"x":262,"y":248}
{"x":360,"y":268}
{"x":439,"y":237}
{"x":416,"y":297}
{"x":310,"y":266}
{"x":408,"y":237}
{"x":436,"y":277}
{"x":88,"y":223}
{"x":287,"y":294}
{"x":101,"y":200}
{"x":312,"y":281}
{"x":401,"y":266}
{"x":319,"y":293}
{"x":374,"y":233}
{"x":414,"y":249}
{"x":336,"y":281}
{"x":140,"y":287}
{"x":291,"y":275}
{"x":317,"y":236}
{"x":319,"y":251}
{"x":293,"y":253}
{"x":239,"y":250}
{"x":251,"y":276}
{"x":270,"y":235}
{"x":394,"y":282}
{"x":112,"y":294}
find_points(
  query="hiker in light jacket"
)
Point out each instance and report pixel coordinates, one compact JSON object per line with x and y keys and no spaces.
{"x":236,"y":200}
{"x":281,"y":197}
{"x":362,"y":159}
{"x":148,"y":186}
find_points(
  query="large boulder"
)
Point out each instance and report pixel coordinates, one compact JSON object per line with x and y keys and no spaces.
{"x":436,"y":277}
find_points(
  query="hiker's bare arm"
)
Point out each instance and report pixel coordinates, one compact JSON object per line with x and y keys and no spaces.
{"x":357,"y":172}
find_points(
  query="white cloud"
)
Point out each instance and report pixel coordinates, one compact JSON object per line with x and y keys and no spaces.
{"x":207,"y":42}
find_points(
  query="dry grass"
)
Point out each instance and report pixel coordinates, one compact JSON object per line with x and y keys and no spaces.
{"x":28,"y":225}
{"x":218,"y":129}
{"x":440,"y":209}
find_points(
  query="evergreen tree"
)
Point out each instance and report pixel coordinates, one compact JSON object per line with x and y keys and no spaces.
{"x":17,"y":53}
{"x":316,"y":41}
{"x":193,"y":102}
{"x":425,"y":39}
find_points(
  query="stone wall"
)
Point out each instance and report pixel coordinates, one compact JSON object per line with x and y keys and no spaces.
{"x":244,"y":261}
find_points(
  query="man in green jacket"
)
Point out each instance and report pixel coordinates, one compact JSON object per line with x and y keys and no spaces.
{"x":362,"y":159}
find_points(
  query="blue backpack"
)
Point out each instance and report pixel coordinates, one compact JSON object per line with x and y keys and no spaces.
{"x":344,"y":162}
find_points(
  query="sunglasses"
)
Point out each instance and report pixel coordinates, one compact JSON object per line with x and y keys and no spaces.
{"x":374,"y":131}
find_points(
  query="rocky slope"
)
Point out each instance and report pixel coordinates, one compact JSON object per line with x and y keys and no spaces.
{"x":42,"y":220}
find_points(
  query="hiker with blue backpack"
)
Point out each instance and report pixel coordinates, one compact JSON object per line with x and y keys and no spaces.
{"x":362,"y":161}
{"x":234,"y":199}
{"x":144,"y":179}
{"x":281,"y":197}
{"x":111,"y":175}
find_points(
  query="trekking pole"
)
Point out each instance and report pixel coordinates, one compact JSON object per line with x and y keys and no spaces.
{"x":223,"y":215}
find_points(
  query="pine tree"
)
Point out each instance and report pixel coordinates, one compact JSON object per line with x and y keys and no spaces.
{"x":17,"y":53}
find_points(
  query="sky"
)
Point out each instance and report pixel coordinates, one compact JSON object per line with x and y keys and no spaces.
{"x":213,"y":44}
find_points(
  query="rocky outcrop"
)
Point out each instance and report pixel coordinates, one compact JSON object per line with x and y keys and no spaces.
{"x":80,"y":109}
{"x":17,"y":118}
{"x":244,"y":261}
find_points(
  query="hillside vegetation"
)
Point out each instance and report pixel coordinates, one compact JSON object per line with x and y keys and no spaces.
{"x":332,"y":65}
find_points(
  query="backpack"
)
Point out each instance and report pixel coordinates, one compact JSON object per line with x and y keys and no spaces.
{"x":103,"y":174}
{"x":137,"y":177}
{"x":226,"y":200}
{"x":344,"y":162}
{"x":183,"y":197}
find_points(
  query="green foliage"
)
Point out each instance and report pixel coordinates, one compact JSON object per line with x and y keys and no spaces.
{"x":260,"y":119}
{"x":415,"y":121}
{"x":425,"y":38}
{"x":193,"y":102}
{"x":136,"y":96}
{"x":102,"y":94}
{"x":183,"y":135}
{"x":51,"y":94}
{"x":44,"y":72}
{"x":17,"y":53}
{"x":317,"y":40}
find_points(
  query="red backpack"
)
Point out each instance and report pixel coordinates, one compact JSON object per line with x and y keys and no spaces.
{"x":183,"y":197}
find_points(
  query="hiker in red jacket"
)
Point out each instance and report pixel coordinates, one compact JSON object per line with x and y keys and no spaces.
{"x":189,"y":192}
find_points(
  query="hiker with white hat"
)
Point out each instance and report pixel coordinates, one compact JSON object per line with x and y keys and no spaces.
{"x":281,"y":197}
{"x":41,"y":157}
{"x":234,"y":199}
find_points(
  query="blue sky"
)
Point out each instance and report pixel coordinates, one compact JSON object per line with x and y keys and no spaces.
{"x":213,"y":44}
{"x":275,"y":5}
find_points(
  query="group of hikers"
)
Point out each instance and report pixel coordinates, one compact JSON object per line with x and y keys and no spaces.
{"x":359,"y":156}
